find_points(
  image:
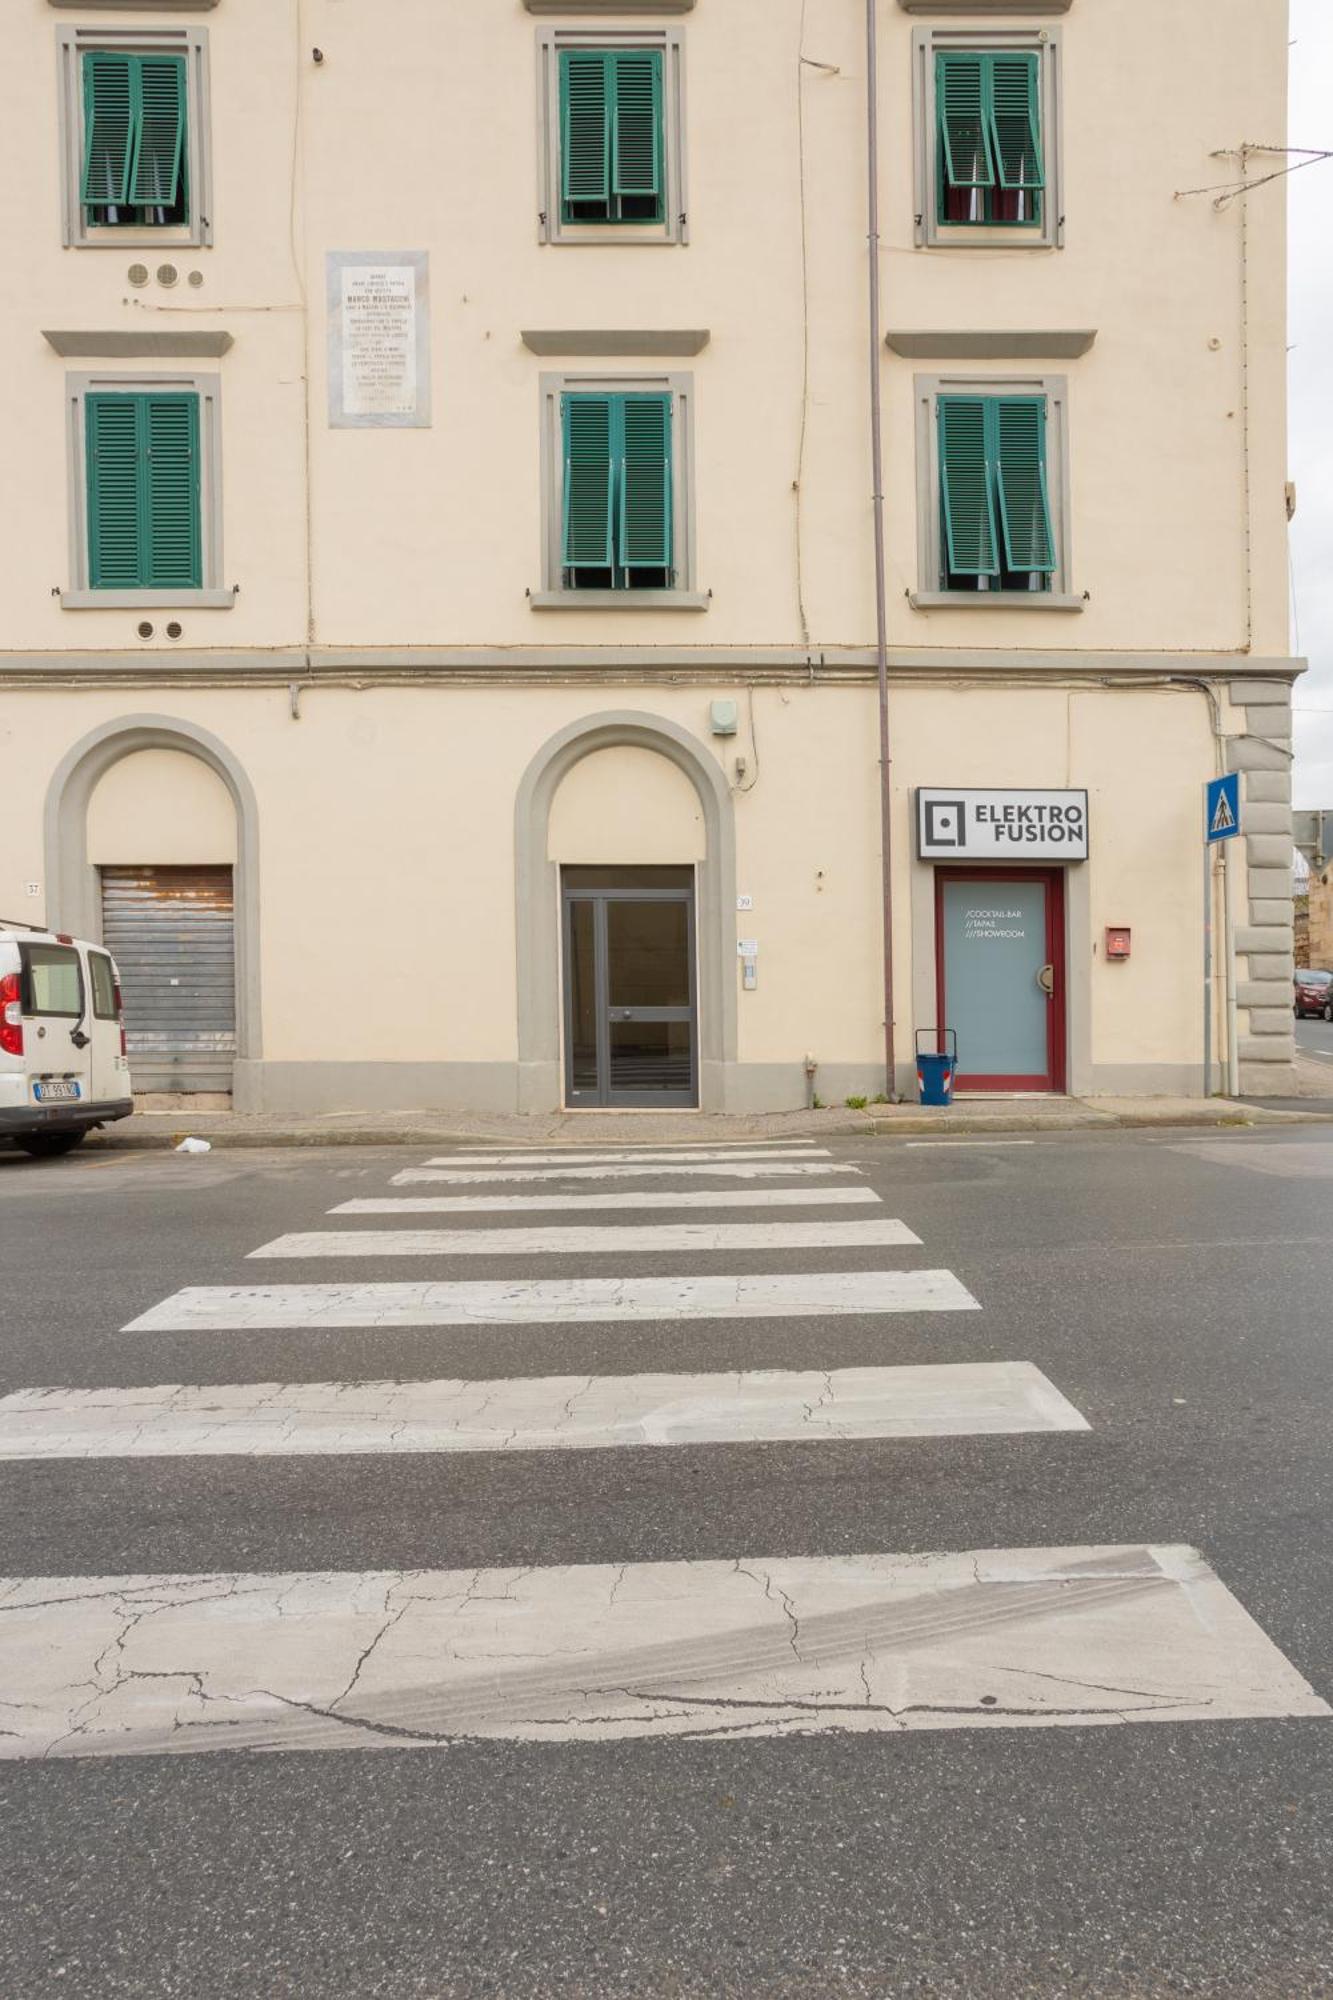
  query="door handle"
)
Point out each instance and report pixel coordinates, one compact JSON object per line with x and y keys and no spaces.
{"x":1046,"y":980}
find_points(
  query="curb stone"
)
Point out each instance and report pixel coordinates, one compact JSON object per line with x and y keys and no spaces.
{"x":139,"y":1135}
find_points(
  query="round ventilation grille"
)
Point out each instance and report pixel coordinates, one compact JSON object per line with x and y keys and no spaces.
{"x":167,"y":274}
{"x":137,"y":274}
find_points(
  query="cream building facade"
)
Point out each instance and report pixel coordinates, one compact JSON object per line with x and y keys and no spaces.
{"x":440,"y":621}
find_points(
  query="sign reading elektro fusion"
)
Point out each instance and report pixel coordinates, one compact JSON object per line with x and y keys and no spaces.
{"x":1001,"y":826}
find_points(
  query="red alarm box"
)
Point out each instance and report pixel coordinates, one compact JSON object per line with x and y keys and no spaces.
{"x":1117,"y":940}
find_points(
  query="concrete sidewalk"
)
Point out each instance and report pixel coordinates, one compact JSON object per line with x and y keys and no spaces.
{"x":158,"y":1128}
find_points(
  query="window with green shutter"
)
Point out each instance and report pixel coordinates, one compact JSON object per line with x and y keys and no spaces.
{"x":612,"y":138}
{"x":988,"y":139}
{"x":135,"y":154}
{"x":616,"y":509}
{"x":995,"y":512}
{"x":143,"y":490}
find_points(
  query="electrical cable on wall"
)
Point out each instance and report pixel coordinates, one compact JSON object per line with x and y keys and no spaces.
{"x":754,"y":741}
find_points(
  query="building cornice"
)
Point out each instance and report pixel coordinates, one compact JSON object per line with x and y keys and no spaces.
{"x":628,"y":340}
{"x":658,"y":665}
{"x":984,"y":6}
{"x":978,"y":344}
{"x":136,"y":343}
{"x":136,"y":6}
{"x":612,"y":6}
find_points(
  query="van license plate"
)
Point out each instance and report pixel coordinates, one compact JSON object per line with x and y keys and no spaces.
{"x":55,"y":1090}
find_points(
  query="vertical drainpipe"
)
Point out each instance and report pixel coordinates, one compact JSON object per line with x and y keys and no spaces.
{"x":877,"y":480}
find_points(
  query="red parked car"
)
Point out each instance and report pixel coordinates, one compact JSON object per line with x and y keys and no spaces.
{"x":1313,"y":994}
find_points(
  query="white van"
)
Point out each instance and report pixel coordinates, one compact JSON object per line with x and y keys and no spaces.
{"x":63,"y":1066}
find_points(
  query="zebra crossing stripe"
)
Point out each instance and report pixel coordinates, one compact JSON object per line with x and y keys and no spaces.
{"x":758,"y":1646}
{"x":492,"y":1149}
{"x":620,"y":1239}
{"x":530,"y":1204}
{"x":740,"y":1170}
{"x":577,"y":1157}
{"x":554,"y":1413}
{"x":528,"y":1301}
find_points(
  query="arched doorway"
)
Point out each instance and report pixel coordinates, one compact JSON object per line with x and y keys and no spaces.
{"x":152,"y":847}
{"x":625,"y":868}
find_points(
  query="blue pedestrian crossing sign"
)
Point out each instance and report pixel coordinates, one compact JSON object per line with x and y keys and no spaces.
{"x":1221,"y":820}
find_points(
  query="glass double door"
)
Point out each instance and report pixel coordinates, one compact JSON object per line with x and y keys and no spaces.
{"x":630,"y":1015}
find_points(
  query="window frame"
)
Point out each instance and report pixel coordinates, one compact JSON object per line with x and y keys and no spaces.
{"x":72,"y":44}
{"x":928,"y":595}
{"x":96,"y":958}
{"x":684,"y":594}
{"x":28,"y":999}
{"x":551,"y":228}
{"x":930,"y":232}
{"x":80,"y":595}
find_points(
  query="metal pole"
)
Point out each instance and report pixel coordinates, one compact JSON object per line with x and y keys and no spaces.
{"x":1207,"y":965}
{"x":1229,"y":948}
{"x":877,"y":482}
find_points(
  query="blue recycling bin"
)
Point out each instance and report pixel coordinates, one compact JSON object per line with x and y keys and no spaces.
{"x":935,"y":1068}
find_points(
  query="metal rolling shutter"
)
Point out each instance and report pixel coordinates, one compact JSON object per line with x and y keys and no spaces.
{"x":171,"y":932}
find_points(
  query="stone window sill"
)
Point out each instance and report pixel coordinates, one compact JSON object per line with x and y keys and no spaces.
{"x":991,"y":237}
{"x":993,"y":600}
{"x":617,"y":235}
{"x":147,"y":600}
{"x":620,"y":600}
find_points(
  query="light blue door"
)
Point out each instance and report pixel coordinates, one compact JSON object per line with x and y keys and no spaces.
{"x":995,"y":979}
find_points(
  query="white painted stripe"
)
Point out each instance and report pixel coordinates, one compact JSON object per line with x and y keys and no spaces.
{"x":528,"y":1204}
{"x":620,"y":1239}
{"x":499,"y":1151}
{"x":577,"y":1158}
{"x":742,"y":1170}
{"x":553,"y":1413}
{"x":989,"y":1639}
{"x":607,"y":1149}
{"x":525,"y":1301}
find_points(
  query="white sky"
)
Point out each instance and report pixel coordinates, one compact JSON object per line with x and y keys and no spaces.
{"x":1310,"y":453}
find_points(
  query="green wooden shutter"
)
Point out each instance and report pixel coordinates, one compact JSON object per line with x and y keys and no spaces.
{"x":110,"y":121}
{"x":588,"y":482}
{"x":645,"y":486}
{"x":1015,"y":120}
{"x":960,"y":101}
{"x":170,"y":488}
{"x":585,"y":126}
{"x":143,"y":491}
{"x":1020,"y":477}
{"x":160,"y":153}
{"x":112,"y":447}
{"x":968,"y":505}
{"x":636,"y":148}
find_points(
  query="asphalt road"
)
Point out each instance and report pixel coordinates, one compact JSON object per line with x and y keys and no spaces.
{"x":1315,"y":1038}
{"x":1174,"y":1287}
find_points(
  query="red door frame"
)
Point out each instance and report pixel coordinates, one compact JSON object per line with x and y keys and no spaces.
{"x":1056,"y":1012}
